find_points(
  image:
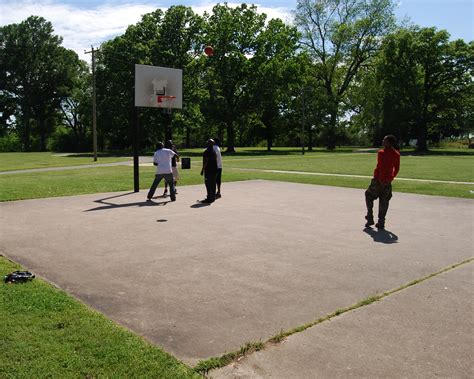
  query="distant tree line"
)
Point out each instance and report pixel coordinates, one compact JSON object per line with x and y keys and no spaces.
{"x":345,"y":73}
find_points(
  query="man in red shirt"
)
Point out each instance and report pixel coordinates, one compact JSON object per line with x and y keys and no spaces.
{"x":388,"y":165}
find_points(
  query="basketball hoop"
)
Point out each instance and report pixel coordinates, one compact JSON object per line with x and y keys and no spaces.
{"x":165,"y":102}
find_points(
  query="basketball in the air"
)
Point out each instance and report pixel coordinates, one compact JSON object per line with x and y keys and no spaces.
{"x":209,"y":51}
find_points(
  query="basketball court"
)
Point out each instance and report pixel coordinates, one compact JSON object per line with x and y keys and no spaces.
{"x":200,"y":281}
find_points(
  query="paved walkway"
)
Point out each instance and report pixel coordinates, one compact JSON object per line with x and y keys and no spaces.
{"x":200,"y":281}
{"x":425,"y":331}
{"x":346,"y":175}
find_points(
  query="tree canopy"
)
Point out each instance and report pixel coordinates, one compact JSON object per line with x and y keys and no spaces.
{"x":344,"y":73}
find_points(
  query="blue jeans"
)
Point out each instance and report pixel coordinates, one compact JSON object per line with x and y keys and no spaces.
{"x":168,"y":178}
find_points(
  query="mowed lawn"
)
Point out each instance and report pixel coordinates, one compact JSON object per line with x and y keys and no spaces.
{"x":436,"y":167}
{"x":247,"y":164}
{"x":24,"y":161}
{"x":45,"y":333}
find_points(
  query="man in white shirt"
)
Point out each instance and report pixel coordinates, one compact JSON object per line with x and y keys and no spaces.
{"x":217,"y":150}
{"x":162,"y":159}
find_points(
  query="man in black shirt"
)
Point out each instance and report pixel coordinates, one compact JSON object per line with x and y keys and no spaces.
{"x":209,"y":170}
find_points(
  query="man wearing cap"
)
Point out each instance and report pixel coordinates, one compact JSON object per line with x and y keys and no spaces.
{"x":209,"y":170}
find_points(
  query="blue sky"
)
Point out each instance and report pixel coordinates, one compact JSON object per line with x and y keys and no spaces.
{"x":83,"y":23}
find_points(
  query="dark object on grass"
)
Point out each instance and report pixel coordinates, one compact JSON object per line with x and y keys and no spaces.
{"x":185,"y":163}
{"x":19,"y":277}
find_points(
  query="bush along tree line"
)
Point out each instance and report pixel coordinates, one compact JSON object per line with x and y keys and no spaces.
{"x":343,"y":73}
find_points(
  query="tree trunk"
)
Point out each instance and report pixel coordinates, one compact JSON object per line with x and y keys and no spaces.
{"x":310,"y":139}
{"x":188,"y":137}
{"x":167,"y":121}
{"x":421,"y":144}
{"x":42,"y":131}
{"x":26,"y":134}
{"x":331,"y":132}
{"x":230,"y":137}
{"x":269,"y":144}
{"x":269,"y":133}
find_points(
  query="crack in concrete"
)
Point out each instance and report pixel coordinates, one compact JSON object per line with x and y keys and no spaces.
{"x":207,"y":365}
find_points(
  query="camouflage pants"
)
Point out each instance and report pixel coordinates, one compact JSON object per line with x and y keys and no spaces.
{"x":381,"y":191}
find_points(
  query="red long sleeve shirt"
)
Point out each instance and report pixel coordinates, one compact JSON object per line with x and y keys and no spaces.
{"x":388,"y":165}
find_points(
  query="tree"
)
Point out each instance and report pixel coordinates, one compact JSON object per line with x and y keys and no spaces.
{"x":277,"y":73}
{"x":76,"y":106}
{"x":170,"y":39}
{"x":36,"y":74}
{"x":426,"y":82}
{"x":364,"y":105}
{"x":233,"y":32}
{"x":341,"y":36}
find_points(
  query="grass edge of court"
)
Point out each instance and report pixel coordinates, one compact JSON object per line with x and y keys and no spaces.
{"x":154,"y":356}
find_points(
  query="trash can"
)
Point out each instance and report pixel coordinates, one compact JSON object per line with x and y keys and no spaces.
{"x":185,"y":163}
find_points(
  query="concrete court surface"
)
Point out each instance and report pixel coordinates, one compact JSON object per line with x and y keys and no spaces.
{"x":420,"y":332}
{"x":203,"y":280}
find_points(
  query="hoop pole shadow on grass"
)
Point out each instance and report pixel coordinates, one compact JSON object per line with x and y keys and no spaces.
{"x":109,"y":205}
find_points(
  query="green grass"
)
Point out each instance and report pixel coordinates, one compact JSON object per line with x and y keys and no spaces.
{"x":110,"y":179}
{"x":437,"y":165}
{"x":47,"y":333}
{"x":24,"y":161}
{"x":242,"y":152}
{"x":207,"y":365}
{"x":454,"y":168}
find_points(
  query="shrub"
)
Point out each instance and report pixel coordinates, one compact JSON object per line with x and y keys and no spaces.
{"x":10,"y":142}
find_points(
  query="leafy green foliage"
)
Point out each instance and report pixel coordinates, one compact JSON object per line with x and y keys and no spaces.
{"x":420,"y":87}
{"x":342,"y":75}
{"x":37,"y":73}
{"x":233,"y":32}
{"x":341,"y":36}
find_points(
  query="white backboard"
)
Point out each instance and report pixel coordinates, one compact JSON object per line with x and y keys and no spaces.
{"x":152,"y":83}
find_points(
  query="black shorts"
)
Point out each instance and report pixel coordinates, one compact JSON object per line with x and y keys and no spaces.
{"x":219,"y":176}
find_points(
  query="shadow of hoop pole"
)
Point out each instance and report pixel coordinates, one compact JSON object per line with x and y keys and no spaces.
{"x":110,"y":205}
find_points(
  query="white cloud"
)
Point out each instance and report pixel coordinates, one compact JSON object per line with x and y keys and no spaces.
{"x":81,"y":28}
{"x":275,"y":12}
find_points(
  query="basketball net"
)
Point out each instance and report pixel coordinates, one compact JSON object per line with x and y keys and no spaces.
{"x":165,"y":102}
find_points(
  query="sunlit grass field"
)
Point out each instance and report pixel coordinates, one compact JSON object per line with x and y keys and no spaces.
{"x":23,"y":161}
{"x":45,"y":333}
{"x":444,"y":165}
{"x":452,"y":168}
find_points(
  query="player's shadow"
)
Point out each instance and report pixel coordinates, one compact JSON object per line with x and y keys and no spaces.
{"x":110,"y":205}
{"x":381,"y":235}
{"x":200,"y":205}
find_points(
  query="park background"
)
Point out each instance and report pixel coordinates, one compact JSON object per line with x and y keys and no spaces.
{"x":349,"y":76}
{"x":271,"y":85}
